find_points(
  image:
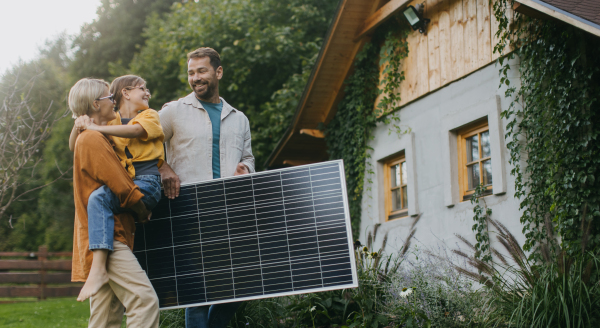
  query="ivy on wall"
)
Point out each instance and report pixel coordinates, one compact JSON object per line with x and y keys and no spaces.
{"x":482,"y":214}
{"x":348,"y":134}
{"x":554,"y":127}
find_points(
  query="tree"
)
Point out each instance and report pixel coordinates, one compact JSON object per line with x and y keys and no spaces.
{"x":33,"y":99}
{"x":113,"y":37}
{"x":268,"y":49}
{"x":266,"y":46}
{"x":23,"y":129}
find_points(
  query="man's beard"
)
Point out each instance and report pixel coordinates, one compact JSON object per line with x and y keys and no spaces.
{"x":209,"y":92}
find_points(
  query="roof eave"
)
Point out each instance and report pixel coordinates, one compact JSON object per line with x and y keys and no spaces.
{"x":289,"y":131}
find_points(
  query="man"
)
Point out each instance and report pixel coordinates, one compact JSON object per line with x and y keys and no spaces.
{"x":205,"y":139}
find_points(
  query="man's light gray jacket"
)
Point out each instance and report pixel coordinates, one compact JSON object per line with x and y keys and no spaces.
{"x":188,"y":139}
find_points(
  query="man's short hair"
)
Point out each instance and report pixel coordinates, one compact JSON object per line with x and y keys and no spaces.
{"x":83,"y":94}
{"x":215,"y":59}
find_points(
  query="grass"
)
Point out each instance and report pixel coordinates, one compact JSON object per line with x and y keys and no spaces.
{"x":51,"y":313}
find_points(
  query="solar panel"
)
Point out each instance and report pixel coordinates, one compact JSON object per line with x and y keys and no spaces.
{"x":266,"y":234}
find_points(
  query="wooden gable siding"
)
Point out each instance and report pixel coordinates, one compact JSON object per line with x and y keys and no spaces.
{"x":460,"y":39}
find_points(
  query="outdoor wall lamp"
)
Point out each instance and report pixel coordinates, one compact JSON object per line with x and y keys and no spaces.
{"x":414,"y":15}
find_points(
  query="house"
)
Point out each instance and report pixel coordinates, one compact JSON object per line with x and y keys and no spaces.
{"x":452,"y":103}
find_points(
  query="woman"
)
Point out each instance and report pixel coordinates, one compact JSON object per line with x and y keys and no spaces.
{"x":138,"y":138}
{"x":95,"y":164}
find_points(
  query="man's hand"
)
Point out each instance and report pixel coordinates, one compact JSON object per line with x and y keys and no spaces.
{"x":170,"y":181}
{"x":241,"y":169}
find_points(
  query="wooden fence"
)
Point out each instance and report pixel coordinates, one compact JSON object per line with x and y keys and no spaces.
{"x":35,"y":275}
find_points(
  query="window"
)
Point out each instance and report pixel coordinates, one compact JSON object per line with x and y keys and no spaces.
{"x":474,"y":160}
{"x":396,"y":198}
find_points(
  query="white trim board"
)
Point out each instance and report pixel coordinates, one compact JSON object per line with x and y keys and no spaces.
{"x":451,"y":123}
{"x":562,"y":15}
{"x":405,"y":143}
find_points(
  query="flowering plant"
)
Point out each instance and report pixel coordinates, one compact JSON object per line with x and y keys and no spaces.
{"x":428,"y":292}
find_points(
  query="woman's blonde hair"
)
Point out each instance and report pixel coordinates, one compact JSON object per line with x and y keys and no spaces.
{"x":124,"y":82}
{"x":84,"y":93}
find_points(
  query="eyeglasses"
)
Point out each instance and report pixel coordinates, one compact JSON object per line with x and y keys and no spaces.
{"x":141,"y":87}
{"x":110,"y":97}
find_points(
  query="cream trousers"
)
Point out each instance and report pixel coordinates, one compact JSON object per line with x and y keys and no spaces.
{"x":128,"y":291}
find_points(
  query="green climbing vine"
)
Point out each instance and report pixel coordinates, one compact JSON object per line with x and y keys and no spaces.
{"x":554,"y":126}
{"x":348,"y":134}
{"x":391,"y":54}
{"x":480,"y":227}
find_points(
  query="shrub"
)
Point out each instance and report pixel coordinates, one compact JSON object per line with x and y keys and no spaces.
{"x":428,"y":292}
{"x":560,"y":291}
{"x":264,"y":313}
{"x":172,"y":318}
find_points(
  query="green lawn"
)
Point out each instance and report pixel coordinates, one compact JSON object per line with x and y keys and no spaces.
{"x":51,"y":313}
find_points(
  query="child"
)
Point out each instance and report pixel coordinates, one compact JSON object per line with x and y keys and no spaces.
{"x":138,"y":139}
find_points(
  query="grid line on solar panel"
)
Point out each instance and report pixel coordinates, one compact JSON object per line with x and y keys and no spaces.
{"x":174,"y":266}
{"x":301,"y":196}
{"x":231,"y":260}
{"x":270,"y":217}
{"x":287,"y":235}
{"x":234,"y":193}
{"x":308,"y":211}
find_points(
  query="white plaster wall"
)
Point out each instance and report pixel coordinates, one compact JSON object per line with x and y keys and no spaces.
{"x":429,"y":146}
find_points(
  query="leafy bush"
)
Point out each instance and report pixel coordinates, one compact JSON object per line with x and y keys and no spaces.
{"x":375,"y":273}
{"x":172,"y":318}
{"x":428,"y":292}
{"x":265,"y":313}
{"x":560,"y":291}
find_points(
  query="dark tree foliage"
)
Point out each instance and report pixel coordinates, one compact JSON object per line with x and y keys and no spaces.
{"x":267,"y":49}
{"x":114,"y":36}
{"x":26,"y":225}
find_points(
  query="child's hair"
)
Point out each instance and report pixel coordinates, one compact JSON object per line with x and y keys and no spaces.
{"x":124,"y":82}
{"x":83,"y":94}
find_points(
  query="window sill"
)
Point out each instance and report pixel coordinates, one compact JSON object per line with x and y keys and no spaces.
{"x":468,"y":197}
{"x":398,"y":215}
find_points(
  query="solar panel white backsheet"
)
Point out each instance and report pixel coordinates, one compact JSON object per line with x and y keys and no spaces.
{"x":266,"y":234}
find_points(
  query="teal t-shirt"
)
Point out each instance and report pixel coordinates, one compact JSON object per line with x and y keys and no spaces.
{"x":214,"y":112}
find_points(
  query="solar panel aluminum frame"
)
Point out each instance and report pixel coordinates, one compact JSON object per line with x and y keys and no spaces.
{"x":351,"y":254}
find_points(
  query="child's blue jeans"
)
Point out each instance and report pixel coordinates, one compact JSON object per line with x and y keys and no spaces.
{"x":103,"y":204}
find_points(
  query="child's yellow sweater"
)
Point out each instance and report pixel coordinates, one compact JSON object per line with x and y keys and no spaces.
{"x":142,"y":149}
